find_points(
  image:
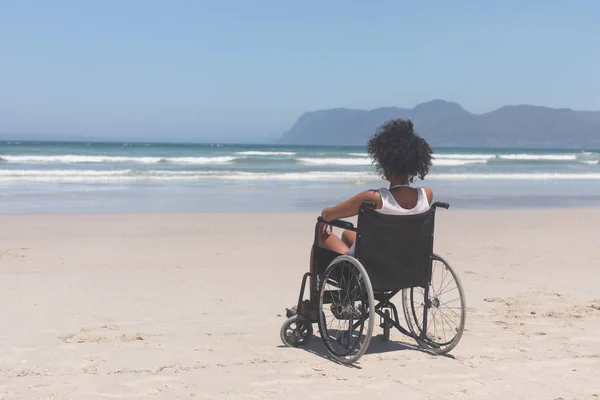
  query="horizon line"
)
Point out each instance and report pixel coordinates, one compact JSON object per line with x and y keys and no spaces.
{"x":4,"y":142}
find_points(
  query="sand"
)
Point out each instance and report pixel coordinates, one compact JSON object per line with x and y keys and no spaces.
{"x":190,"y":306}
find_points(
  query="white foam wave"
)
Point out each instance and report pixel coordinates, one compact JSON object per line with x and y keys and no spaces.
{"x":129,"y":176}
{"x":200,"y":160}
{"x":457,"y":162}
{"x":266,"y":153}
{"x":77,"y":159}
{"x":335,"y":161}
{"x":516,"y":176}
{"x":70,"y":159}
{"x":464,"y":156}
{"x":358,"y":154}
{"x":537,"y":157}
{"x":512,"y":157}
{"x":90,"y":176}
{"x":465,"y":159}
{"x":15,"y":173}
{"x":590,"y":162}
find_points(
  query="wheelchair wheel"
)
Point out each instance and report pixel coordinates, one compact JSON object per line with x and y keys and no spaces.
{"x":446,"y":309}
{"x":347,"y":309}
{"x":294,"y":333}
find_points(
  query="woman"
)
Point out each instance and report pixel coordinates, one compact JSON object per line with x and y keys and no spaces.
{"x":399,"y":155}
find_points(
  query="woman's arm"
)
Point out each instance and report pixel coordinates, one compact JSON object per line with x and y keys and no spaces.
{"x":350,"y":207}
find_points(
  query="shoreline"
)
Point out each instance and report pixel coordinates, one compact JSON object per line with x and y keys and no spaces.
{"x":316,"y":212}
{"x":263,"y":197}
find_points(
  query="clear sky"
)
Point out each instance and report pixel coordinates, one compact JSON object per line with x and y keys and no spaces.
{"x":146,"y":68}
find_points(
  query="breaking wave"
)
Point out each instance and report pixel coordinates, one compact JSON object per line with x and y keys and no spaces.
{"x":132,"y":175}
{"x":81,"y":159}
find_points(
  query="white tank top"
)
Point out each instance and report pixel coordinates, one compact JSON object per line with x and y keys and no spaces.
{"x":391,"y":207}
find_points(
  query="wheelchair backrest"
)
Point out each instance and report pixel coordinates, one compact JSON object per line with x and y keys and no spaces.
{"x":395,"y":250}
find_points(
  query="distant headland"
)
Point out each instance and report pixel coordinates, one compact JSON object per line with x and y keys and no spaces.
{"x":445,"y":123}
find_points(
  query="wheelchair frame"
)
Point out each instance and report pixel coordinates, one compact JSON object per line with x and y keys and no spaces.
{"x":308,"y":310}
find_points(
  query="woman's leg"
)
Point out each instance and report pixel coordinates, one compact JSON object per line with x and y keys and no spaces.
{"x":349,"y":237}
{"x":333,"y":243}
{"x":328,"y":241}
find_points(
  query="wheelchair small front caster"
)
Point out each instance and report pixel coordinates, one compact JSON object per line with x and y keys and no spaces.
{"x":296,"y":333}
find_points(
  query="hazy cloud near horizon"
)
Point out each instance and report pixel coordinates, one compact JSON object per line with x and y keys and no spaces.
{"x":147,"y":70}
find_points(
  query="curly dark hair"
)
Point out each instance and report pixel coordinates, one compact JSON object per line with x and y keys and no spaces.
{"x":395,"y":148}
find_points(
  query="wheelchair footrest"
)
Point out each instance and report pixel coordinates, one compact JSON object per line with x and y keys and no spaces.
{"x":307,"y":312}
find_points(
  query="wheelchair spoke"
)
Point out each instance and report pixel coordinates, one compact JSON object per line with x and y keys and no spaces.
{"x":453,"y":312}
{"x":440,"y":327}
{"x":443,"y":325}
{"x":446,"y":318}
{"x":444,"y":289}
{"x":444,"y":276}
{"x":444,"y":321}
{"x":418,"y":308}
{"x":448,"y":291}
{"x":452,"y":326}
{"x":450,"y":301}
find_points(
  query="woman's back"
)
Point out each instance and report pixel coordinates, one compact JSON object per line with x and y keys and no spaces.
{"x":402,"y":200}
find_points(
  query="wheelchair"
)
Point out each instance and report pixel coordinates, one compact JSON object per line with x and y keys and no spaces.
{"x":393,"y":254}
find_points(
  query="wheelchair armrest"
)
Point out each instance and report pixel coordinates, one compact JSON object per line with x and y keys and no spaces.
{"x":440,"y":204}
{"x":338,"y":223}
{"x":368,"y":204}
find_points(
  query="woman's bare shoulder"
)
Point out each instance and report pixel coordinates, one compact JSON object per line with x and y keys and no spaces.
{"x":374,"y":196}
{"x":429,"y":194}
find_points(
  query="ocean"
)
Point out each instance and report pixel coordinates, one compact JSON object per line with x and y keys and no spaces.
{"x":71,"y":177}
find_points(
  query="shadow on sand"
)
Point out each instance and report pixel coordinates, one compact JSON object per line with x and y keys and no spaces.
{"x":377,"y":346}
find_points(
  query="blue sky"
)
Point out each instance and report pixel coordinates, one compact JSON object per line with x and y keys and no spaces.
{"x":176,"y":69}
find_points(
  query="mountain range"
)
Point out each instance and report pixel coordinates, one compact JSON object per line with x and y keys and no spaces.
{"x":448,"y":124}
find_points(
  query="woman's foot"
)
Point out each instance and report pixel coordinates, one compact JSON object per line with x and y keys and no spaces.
{"x":290,"y":312}
{"x":344,"y":312}
{"x":340,"y":312}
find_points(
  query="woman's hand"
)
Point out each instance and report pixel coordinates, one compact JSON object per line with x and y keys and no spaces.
{"x":325,"y":229}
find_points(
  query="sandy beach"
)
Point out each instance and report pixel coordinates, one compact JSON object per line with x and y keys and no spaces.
{"x":190,"y":306}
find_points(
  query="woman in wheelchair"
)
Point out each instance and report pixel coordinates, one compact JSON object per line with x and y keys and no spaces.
{"x":399,"y":155}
